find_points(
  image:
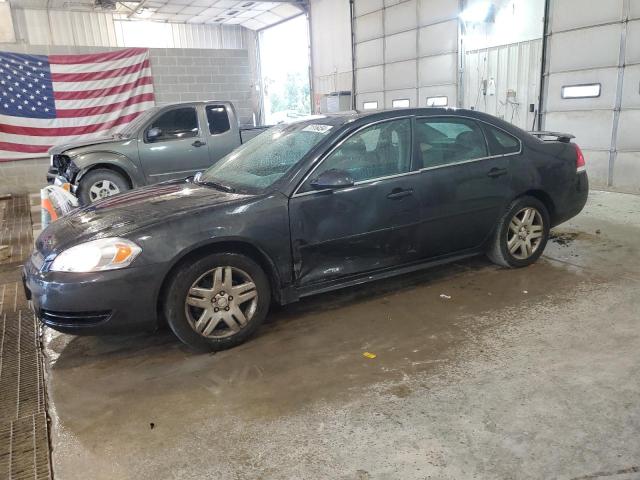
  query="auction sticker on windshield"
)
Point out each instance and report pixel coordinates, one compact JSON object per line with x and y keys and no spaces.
{"x":317,"y":128}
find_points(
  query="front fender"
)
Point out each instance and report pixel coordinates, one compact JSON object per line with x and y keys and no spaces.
{"x":117,"y":161}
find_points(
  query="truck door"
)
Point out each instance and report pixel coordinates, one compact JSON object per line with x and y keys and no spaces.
{"x":223,"y":134}
{"x":173,"y":145}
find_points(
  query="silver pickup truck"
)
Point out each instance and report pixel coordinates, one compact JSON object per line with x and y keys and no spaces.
{"x":172,"y":141}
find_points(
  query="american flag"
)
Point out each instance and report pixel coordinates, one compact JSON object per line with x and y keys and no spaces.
{"x":54,"y":99}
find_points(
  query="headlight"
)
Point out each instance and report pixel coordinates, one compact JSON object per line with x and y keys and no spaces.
{"x":96,"y":256}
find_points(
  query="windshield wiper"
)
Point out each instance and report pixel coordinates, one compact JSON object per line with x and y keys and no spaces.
{"x":219,"y":186}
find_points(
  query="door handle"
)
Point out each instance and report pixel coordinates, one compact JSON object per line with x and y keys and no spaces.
{"x":496,"y":172}
{"x":198,"y":143}
{"x":397,"y":193}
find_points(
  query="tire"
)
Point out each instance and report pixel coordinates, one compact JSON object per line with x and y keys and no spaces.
{"x":101,"y":181}
{"x":204,"y":313}
{"x":516,"y":242}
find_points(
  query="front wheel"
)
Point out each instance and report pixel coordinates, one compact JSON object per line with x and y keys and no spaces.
{"x":100,"y":183}
{"x":217,"y":301}
{"x":521,"y":234}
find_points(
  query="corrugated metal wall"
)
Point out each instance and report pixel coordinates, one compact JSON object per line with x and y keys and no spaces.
{"x":96,"y":29}
{"x":597,"y":42}
{"x":504,"y":81}
{"x":406,"y":50}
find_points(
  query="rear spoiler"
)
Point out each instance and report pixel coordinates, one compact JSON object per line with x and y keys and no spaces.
{"x":560,"y":137}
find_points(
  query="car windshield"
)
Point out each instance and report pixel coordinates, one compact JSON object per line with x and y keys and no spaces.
{"x":261,"y":161}
{"x":132,"y":127}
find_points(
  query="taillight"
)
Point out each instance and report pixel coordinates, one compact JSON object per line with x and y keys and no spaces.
{"x":581,"y":166}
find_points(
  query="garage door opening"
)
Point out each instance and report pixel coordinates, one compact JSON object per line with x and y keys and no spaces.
{"x":284,"y":63}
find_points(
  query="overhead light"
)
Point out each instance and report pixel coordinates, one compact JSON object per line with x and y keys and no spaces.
{"x":145,"y":13}
{"x":247,"y":5}
{"x":232,"y":12}
{"x":478,"y":12}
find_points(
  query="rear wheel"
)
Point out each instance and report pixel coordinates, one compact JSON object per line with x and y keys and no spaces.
{"x":218,"y":301}
{"x":521,"y":235}
{"x":99,"y":184}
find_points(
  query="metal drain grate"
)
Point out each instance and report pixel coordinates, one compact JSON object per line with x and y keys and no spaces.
{"x":24,"y":443}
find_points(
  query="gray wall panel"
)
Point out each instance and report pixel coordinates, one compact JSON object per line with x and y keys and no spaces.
{"x":438,"y":38}
{"x":569,"y":50}
{"x":401,"y":46}
{"x":400,"y":18}
{"x":569,"y":14}
{"x":400,"y":75}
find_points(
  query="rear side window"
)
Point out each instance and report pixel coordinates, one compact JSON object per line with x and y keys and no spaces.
{"x":218,"y":119}
{"x":500,"y":142}
{"x":444,"y":141}
{"x":176,"y":124}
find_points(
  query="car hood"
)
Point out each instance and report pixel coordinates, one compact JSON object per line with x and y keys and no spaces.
{"x":125,"y":213}
{"x":74,"y":148}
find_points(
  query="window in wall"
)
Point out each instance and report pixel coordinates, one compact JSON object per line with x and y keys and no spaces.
{"x":591,"y":90}
{"x":176,"y":124}
{"x":400,"y":103}
{"x":377,"y":151}
{"x":370,"y":105}
{"x":437,"y":101}
{"x":218,"y":119}
{"x":500,"y":142}
{"x":443,"y":141}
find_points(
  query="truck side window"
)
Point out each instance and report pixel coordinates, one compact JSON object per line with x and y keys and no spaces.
{"x":218,"y":119}
{"x":176,"y":124}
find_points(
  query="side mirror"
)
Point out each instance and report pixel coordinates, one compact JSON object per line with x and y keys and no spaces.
{"x":153,"y":133}
{"x":333,"y":178}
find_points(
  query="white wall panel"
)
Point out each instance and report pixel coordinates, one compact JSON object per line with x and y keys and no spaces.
{"x":432,"y":11}
{"x":362,"y":7}
{"x":400,"y":75}
{"x":7,"y":32}
{"x":591,"y":128}
{"x":628,"y":134}
{"x":407,"y":94}
{"x":606,"y":77}
{"x":370,"y":53}
{"x":370,"y":97}
{"x":597,"y":166}
{"x":634,"y":9}
{"x":401,"y":46}
{"x":38,"y":27}
{"x":570,"y":51}
{"x":449,"y":91}
{"x":626,"y":174}
{"x":370,"y":79}
{"x":437,"y":70}
{"x":569,"y":14}
{"x":400,"y":17}
{"x":369,"y":26}
{"x":438,"y":38}
{"x":632,"y":50}
{"x":631,"y":87}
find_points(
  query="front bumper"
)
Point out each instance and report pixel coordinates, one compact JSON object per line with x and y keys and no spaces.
{"x":116,"y":301}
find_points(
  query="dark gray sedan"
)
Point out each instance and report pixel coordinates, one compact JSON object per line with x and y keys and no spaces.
{"x":305,"y":208}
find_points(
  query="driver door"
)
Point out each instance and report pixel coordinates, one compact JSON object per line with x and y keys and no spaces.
{"x":179,"y":150}
{"x":368,"y":226}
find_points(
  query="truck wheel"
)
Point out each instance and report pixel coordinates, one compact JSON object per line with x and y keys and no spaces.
{"x":99,"y":184}
{"x":521,"y":234}
{"x":217,"y":302}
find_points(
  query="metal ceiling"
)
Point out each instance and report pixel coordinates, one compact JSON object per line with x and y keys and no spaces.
{"x":252,"y":14}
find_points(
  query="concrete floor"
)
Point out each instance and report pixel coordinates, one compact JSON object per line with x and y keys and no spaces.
{"x":531,"y":373}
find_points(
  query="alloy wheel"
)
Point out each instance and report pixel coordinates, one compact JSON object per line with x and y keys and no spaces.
{"x":103,"y":189}
{"x":221,"y":302}
{"x":525,"y":233}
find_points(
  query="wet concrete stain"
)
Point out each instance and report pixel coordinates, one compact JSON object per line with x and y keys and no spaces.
{"x":300,"y":400}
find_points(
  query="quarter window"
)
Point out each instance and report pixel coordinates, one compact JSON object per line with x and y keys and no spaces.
{"x":500,"y":142}
{"x":176,"y":124}
{"x":218,"y":119}
{"x":443,"y":141}
{"x":377,"y":151}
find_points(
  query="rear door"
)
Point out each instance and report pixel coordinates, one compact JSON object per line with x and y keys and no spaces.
{"x":223,"y":135}
{"x":180,"y":150}
{"x":464,"y":182}
{"x":369,"y":226}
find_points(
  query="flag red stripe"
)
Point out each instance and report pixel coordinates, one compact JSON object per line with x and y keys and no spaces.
{"x":96,"y":57}
{"x":66,"y":131}
{"x":102,"y":92}
{"x":83,"y":77}
{"x":87,"y":112}
{"x":19,"y":147}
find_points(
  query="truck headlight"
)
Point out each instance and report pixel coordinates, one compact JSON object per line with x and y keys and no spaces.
{"x":96,"y":256}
